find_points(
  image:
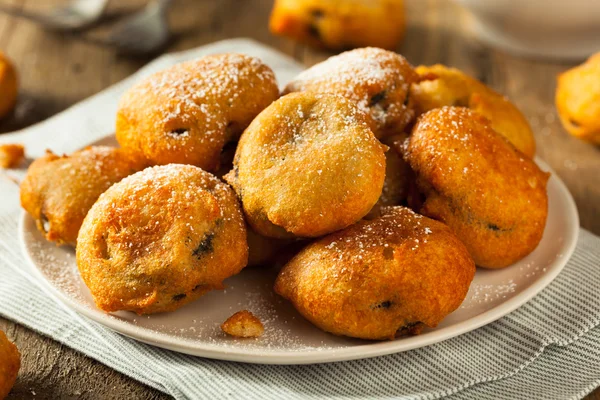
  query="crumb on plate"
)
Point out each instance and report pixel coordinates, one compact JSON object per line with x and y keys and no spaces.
{"x":11,"y":155}
{"x":243,"y":324}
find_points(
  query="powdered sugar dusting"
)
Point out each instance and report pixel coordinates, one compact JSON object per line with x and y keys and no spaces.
{"x":179,"y":135}
{"x":396,"y":225}
{"x":484,"y":293}
{"x":366,"y":76}
{"x":199,"y":98}
{"x":185,"y":183}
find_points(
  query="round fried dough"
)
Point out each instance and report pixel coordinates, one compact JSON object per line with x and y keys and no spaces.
{"x":443,"y":86}
{"x":160,"y":239}
{"x":10,"y":362}
{"x":578,"y":100}
{"x":187,"y":113}
{"x":340,"y":25}
{"x":381,"y":278}
{"x":308,"y":165}
{"x":59,"y":191}
{"x":491,"y":195}
{"x":376,"y":80}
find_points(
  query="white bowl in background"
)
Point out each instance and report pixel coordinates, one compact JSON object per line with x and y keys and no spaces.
{"x":560,"y":29}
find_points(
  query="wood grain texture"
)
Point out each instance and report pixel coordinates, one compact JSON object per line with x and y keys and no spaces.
{"x":59,"y":70}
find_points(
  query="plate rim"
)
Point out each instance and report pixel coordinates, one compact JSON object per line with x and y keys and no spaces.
{"x":298,"y":357}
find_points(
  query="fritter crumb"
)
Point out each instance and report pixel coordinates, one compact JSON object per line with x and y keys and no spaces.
{"x":243,"y":324}
{"x":11,"y":155}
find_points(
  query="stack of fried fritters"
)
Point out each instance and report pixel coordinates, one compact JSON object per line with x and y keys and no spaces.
{"x":379,"y":186}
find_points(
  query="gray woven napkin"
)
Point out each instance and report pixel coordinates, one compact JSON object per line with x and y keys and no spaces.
{"x":549,"y":348}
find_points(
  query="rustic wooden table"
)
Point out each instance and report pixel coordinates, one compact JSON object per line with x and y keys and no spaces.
{"x":59,"y":70}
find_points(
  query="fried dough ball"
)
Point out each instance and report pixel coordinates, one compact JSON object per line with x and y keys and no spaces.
{"x":308,"y":165}
{"x":58,"y":191}
{"x":443,"y":86}
{"x":378,"y":81}
{"x":491,"y":195}
{"x":9,"y":86}
{"x":10,"y":362}
{"x":161,"y":238}
{"x":578,"y":100}
{"x":340,"y":24}
{"x":11,"y":155}
{"x":187,"y":113}
{"x":397,"y":175}
{"x":381,"y":278}
{"x":243,"y":324}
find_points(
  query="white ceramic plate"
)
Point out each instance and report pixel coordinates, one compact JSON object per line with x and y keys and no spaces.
{"x":289,"y":338}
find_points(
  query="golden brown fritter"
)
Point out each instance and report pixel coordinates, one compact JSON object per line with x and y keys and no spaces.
{"x":381,"y":278}
{"x":491,"y":195}
{"x":9,"y":86}
{"x":243,"y":324}
{"x":443,"y":86}
{"x":578,"y":100}
{"x":160,"y":239}
{"x":187,"y":113}
{"x":376,"y":80}
{"x":10,"y":362}
{"x":340,"y":24}
{"x":396,"y":185}
{"x":58,"y":191}
{"x":306,"y":166}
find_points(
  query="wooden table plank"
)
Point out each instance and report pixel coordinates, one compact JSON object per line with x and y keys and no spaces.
{"x":59,"y":70}
{"x":51,"y":371}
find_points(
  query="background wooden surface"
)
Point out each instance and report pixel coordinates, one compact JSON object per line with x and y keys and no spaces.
{"x":59,"y":70}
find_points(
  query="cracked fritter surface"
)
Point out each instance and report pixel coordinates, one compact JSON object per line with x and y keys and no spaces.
{"x":380,"y":278}
{"x":443,"y":86}
{"x":491,"y":195}
{"x":188,"y":112}
{"x":10,"y":362}
{"x":307,"y":165}
{"x":58,"y":191}
{"x":160,"y":239}
{"x":376,"y":80}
